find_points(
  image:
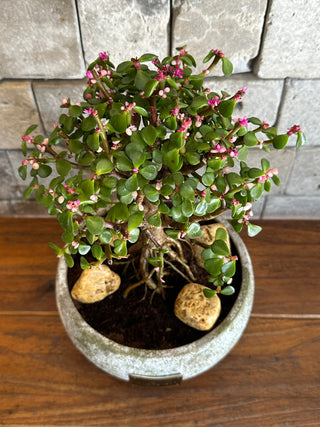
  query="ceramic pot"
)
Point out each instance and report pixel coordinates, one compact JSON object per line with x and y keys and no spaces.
{"x":160,"y":366}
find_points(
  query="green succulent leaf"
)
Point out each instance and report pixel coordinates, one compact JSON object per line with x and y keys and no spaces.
{"x":104,"y":166}
{"x":149,"y":172}
{"x":253,"y":230}
{"x":118,"y":122}
{"x":155,"y":220}
{"x":135,"y":220}
{"x":63,"y":167}
{"x":219,"y":247}
{"x":213,"y":266}
{"x":209,"y":293}
{"x":95,"y":224}
{"x":194,"y":231}
{"x":227,"y":66}
{"x":229,"y":268}
{"x":228,"y":290}
{"x":280,"y":141}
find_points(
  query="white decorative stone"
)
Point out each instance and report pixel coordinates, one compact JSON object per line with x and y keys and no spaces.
{"x":95,"y":284}
{"x":208,"y":237}
{"x":49,"y":95}
{"x":194,"y":309}
{"x":40,"y":40}
{"x":232,"y":26}
{"x":301,"y":106}
{"x":17,"y":112}
{"x":291,"y":42}
{"x":124,"y":28}
{"x":262,"y":98}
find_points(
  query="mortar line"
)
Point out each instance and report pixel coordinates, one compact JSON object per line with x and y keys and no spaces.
{"x":80,"y":33}
{"x":170,"y":31}
{"x":263,"y":31}
{"x":44,"y":131}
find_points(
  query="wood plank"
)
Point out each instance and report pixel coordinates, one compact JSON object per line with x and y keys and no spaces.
{"x":285,"y":257}
{"x":28,"y":265}
{"x":285,"y":260}
{"x":270,"y":378}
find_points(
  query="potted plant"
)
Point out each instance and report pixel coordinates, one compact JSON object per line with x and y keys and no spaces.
{"x":144,"y":165}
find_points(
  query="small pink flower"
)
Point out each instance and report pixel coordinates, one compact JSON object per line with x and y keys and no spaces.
{"x":183,"y":52}
{"x":27,"y":138}
{"x":103,"y":56}
{"x":89,"y":74}
{"x":88,"y":96}
{"x":214,"y":102}
{"x":178,"y":72}
{"x":130,"y":129}
{"x":35,"y":166}
{"x":294,"y":129}
{"x":265,"y":125}
{"x":198,"y":121}
{"x":243,"y":121}
{"x":135,"y":170}
{"x":185,"y":124}
{"x":64,"y":101}
{"x":158,"y":186}
{"x":218,"y":52}
{"x":235,"y":202}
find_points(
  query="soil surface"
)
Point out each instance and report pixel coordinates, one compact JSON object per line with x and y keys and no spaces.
{"x":143,"y":319}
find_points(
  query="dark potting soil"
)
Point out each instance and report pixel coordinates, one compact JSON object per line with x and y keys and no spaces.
{"x":143,"y":319}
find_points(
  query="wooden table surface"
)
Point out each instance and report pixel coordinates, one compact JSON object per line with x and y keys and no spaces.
{"x":271,"y":378}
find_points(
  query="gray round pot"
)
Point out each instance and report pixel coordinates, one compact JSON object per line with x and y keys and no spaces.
{"x":159,"y":367}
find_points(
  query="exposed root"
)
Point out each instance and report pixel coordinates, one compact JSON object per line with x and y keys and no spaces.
{"x":175,"y":257}
{"x":178,"y":271}
{"x":140,"y":282}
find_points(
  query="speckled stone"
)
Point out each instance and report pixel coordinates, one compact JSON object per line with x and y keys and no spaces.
{"x":194,"y":309}
{"x":208,"y":237}
{"x":95,"y":284}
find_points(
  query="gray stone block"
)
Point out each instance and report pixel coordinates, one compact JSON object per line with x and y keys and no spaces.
{"x":18,"y":111}
{"x":291,"y":41}
{"x":301,"y":107}
{"x":262,"y":99}
{"x":292,"y":207}
{"x":232,"y":26}
{"x":49,"y":96}
{"x":40,"y":39}
{"x":305,"y":176}
{"x":124,"y":28}
{"x":9,"y":188}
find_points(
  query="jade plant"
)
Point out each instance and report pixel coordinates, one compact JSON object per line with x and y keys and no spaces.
{"x":147,"y":156}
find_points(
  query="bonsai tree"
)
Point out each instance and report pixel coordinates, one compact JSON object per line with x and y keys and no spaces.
{"x":143,"y":160}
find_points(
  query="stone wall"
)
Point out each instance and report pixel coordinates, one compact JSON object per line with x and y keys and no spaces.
{"x":274,"y":46}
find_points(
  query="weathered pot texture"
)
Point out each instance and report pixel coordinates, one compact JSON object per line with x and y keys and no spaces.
{"x":160,"y":367}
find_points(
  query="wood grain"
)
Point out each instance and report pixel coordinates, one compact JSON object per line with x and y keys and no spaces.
{"x":271,"y":378}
